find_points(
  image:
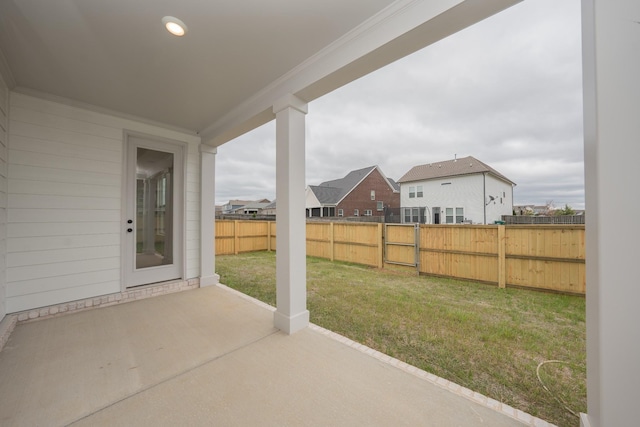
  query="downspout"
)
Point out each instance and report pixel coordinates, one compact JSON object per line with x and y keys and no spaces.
{"x":484,"y":196}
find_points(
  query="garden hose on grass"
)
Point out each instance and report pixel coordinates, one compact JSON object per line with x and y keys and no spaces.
{"x":560,"y":401}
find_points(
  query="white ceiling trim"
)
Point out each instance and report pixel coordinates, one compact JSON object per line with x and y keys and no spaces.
{"x":399,"y":30}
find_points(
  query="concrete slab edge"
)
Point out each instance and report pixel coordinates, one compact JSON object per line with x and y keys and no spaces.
{"x":7,"y":324}
{"x":134,"y":294}
{"x":488,"y":402}
{"x":246,"y":297}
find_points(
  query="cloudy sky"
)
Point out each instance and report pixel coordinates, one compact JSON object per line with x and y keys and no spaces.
{"x":507,"y":91}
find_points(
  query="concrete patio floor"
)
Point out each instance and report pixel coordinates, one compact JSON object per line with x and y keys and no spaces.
{"x":211,"y":356}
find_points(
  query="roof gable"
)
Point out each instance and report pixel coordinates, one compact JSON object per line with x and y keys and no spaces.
{"x":334,"y":191}
{"x":456,"y":167}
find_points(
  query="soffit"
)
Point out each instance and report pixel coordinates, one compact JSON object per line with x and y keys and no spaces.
{"x":116,"y":54}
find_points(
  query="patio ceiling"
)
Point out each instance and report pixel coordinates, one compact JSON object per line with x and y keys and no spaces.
{"x":236,"y":59}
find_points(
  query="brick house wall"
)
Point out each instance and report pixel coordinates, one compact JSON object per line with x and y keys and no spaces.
{"x":360,"y":197}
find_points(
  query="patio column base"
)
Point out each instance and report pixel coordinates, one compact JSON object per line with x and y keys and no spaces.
{"x":584,"y":420}
{"x":291,"y":324}
{"x":209,"y":280}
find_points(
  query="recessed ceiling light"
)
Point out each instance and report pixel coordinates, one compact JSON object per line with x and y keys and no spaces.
{"x":174,"y":26}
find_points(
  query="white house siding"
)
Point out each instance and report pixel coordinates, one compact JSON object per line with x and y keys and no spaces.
{"x":65,"y":173}
{"x":4,"y":136}
{"x":459,"y":192}
{"x":311,"y":201}
{"x":503,"y":203}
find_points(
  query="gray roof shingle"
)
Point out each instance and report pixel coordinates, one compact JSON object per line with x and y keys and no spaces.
{"x":331,"y":192}
{"x":327,"y":195}
{"x":463,"y":166}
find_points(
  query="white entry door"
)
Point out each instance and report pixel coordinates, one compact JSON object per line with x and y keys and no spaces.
{"x":153,"y":224}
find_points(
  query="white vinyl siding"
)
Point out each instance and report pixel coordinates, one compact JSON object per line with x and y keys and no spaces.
{"x":4,"y":142}
{"x":65,"y":200}
{"x":464,"y":192}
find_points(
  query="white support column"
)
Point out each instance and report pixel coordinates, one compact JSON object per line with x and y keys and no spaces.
{"x":291,"y":268}
{"x":208,"y":274}
{"x":611,"y":88}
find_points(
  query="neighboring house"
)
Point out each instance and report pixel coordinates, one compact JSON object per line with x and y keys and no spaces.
{"x":252,"y":208}
{"x":455,"y":191}
{"x":523,"y":209}
{"x":237,"y":206}
{"x":540,"y":210}
{"x":232,"y":205}
{"x":270,"y":209}
{"x":362,"y":192}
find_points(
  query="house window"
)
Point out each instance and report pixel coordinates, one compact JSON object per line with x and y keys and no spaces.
{"x":448,"y":218}
{"x":379,"y":206}
{"x":373,"y":194}
{"x":412,"y":192}
{"x":415,"y":214}
{"x":356,"y":212}
{"x":368,"y":212}
{"x":419,"y":192}
{"x":340,"y":212}
{"x":407,"y":215}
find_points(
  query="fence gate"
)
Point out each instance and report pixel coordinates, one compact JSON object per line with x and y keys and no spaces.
{"x":401,"y":244}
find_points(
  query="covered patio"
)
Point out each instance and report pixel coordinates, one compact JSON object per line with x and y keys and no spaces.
{"x":211,"y":356}
{"x":105,"y":115}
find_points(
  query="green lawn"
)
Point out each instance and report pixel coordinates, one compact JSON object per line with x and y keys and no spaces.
{"x":487,"y":339}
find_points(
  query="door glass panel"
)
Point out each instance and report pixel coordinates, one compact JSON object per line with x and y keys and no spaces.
{"x":154,"y":208}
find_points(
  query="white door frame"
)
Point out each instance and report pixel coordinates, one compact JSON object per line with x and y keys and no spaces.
{"x":130,"y":276}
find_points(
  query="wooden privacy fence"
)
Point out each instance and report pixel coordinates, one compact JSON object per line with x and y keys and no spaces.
{"x":341,"y":241}
{"x":234,"y":237}
{"x":549,"y":257}
{"x":351,"y":242}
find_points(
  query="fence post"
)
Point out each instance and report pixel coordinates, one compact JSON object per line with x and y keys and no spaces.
{"x":380,"y":246}
{"x":331,"y":253}
{"x":502,"y":264}
{"x":416,"y":242}
{"x":269,"y":236}
{"x":236,"y":237}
